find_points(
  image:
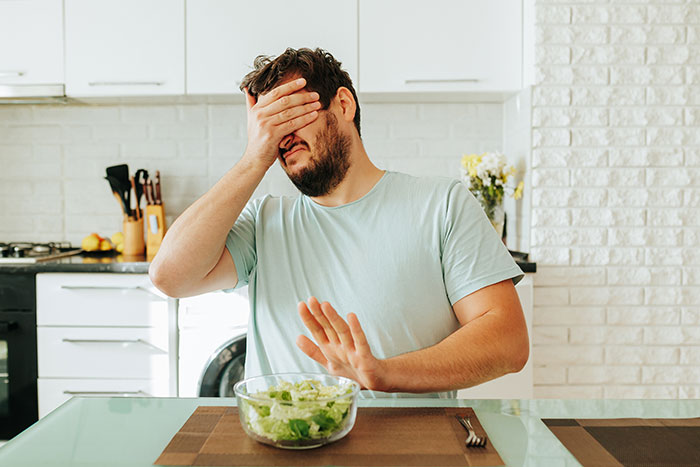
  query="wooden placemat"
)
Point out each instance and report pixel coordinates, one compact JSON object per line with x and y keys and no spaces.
{"x":214,"y":436}
{"x":630,"y":442}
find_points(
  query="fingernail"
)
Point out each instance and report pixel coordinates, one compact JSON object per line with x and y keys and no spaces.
{"x":301,"y":81}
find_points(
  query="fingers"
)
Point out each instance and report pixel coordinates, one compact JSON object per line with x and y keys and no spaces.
{"x":284,"y":107}
{"x":320,"y":317}
{"x":339,"y":326}
{"x":282,"y":90}
{"x":312,"y":350}
{"x":312,"y":324}
{"x":290,"y":126}
{"x":358,"y":335}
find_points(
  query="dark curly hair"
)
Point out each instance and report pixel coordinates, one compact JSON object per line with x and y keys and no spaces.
{"x":322,"y":72}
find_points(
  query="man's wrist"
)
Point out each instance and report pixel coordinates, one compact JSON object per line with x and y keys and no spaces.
{"x":255,"y":163}
{"x":387,"y":376}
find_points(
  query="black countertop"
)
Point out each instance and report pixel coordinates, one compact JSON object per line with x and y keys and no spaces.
{"x":83,"y":263}
{"x":136,"y":265}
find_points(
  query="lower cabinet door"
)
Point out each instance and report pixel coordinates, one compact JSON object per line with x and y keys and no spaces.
{"x":54,"y":392}
{"x":118,"y":353}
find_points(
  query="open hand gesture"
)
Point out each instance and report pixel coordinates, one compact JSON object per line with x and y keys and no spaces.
{"x":341,"y":347}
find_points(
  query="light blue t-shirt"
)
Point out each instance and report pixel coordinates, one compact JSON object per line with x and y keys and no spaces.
{"x":398,"y":257}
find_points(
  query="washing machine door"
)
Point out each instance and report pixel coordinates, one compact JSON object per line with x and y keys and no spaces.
{"x":225,"y":367}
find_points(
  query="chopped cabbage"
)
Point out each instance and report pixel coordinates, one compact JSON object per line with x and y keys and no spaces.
{"x":294,"y":411}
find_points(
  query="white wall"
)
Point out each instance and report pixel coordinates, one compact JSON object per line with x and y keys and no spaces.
{"x":53,"y":158}
{"x":616,"y":199}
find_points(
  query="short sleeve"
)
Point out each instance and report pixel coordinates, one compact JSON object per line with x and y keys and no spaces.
{"x":473,"y":255}
{"x":240,"y":242}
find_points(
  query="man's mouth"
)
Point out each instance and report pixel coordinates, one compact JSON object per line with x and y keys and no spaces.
{"x":286,"y":153}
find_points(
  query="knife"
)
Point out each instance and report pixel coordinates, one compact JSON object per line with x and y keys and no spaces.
{"x":149,"y":192}
{"x":158,"y":199}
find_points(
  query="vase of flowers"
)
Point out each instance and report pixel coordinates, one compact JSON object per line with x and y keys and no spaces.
{"x":488,"y":176}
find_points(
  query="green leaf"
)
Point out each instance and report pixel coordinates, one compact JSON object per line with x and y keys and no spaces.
{"x":299,"y":427}
{"x":324,"y":421}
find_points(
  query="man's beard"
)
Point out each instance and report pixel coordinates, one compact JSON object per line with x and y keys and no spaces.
{"x":328,"y":163}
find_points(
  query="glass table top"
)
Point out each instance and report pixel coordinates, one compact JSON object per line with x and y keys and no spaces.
{"x":134,"y":431}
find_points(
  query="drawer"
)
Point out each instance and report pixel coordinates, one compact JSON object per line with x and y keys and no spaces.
{"x":54,"y":392}
{"x":99,"y":300}
{"x":66,"y":352}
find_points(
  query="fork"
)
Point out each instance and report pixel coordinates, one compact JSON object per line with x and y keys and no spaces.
{"x":473,"y":439}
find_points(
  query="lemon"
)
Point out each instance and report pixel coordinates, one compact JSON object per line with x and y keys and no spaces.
{"x":105,"y":245}
{"x":91,"y":243}
{"x":117,"y":238}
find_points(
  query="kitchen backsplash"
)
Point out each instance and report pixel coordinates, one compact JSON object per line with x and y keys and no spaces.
{"x":53,"y":158}
{"x":616,"y":199}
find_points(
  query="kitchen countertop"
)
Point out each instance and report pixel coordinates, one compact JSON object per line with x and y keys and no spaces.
{"x":133,"y":432}
{"x":128,"y":265}
{"x":83,"y":263}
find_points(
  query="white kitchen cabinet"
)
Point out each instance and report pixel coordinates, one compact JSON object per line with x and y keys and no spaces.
{"x":514,"y":385}
{"x":31,"y":42}
{"x":103,"y":334}
{"x":225,"y":36}
{"x":125,"y":48}
{"x":54,"y":392}
{"x":440,"y":46}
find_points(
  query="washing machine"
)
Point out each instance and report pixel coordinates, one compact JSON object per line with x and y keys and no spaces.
{"x":212,"y":343}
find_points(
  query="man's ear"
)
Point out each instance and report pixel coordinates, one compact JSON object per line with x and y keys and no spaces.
{"x":347,"y":103}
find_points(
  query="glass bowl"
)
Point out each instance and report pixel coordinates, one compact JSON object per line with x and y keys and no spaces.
{"x":297,"y":410}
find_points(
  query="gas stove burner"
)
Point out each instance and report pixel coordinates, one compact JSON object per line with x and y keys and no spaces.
{"x":29,"y":252}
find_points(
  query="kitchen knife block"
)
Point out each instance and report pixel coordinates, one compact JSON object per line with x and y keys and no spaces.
{"x":133,"y":237}
{"x":155,"y":221}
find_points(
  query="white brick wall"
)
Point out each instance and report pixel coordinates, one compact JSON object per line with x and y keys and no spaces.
{"x":53,"y":158}
{"x":616,"y":171}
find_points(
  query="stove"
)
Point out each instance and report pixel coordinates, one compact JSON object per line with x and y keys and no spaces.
{"x":26,"y":252}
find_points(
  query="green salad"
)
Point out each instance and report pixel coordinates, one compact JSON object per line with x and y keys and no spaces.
{"x":298,"y":411}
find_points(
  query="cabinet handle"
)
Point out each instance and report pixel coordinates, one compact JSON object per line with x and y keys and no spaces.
{"x":106,"y":393}
{"x":126,"y":83}
{"x":444,"y":80}
{"x":113,"y":341}
{"x":112,"y":287}
{"x":4,"y":74}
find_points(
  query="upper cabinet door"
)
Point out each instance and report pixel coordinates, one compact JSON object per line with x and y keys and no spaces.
{"x":31,"y":42}
{"x":440,"y":45}
{"x":125,"y":47}
{"x":225,"y":36}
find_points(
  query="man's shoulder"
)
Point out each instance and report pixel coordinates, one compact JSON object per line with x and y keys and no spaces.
{"x":429,"y":183}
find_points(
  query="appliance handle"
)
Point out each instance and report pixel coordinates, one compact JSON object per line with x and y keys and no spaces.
{"x":107,"y":393}
{"x":113,"y":341}
{"x":9,"y":73}
{"x":112,"y":287}
{"x":126,"y":83}
{"x":442,"y":80}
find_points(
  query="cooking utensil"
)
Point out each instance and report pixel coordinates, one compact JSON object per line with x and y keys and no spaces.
{"x":139,"y":177}
{"x":121,"y":174}
{"x":149,"y":192}
{"x":473,"y":440}
{"x":135,"y":210}
{"x":118,"y":193}
{"x":158,"y":198}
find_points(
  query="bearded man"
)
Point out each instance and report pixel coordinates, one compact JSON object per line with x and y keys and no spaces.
{"x":419,"y":288}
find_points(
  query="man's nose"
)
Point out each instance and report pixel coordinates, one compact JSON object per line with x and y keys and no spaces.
{"x":286,"y":141}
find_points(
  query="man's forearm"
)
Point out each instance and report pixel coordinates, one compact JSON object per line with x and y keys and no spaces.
{"x":194,"y":243}
{"x":483,"y":349}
